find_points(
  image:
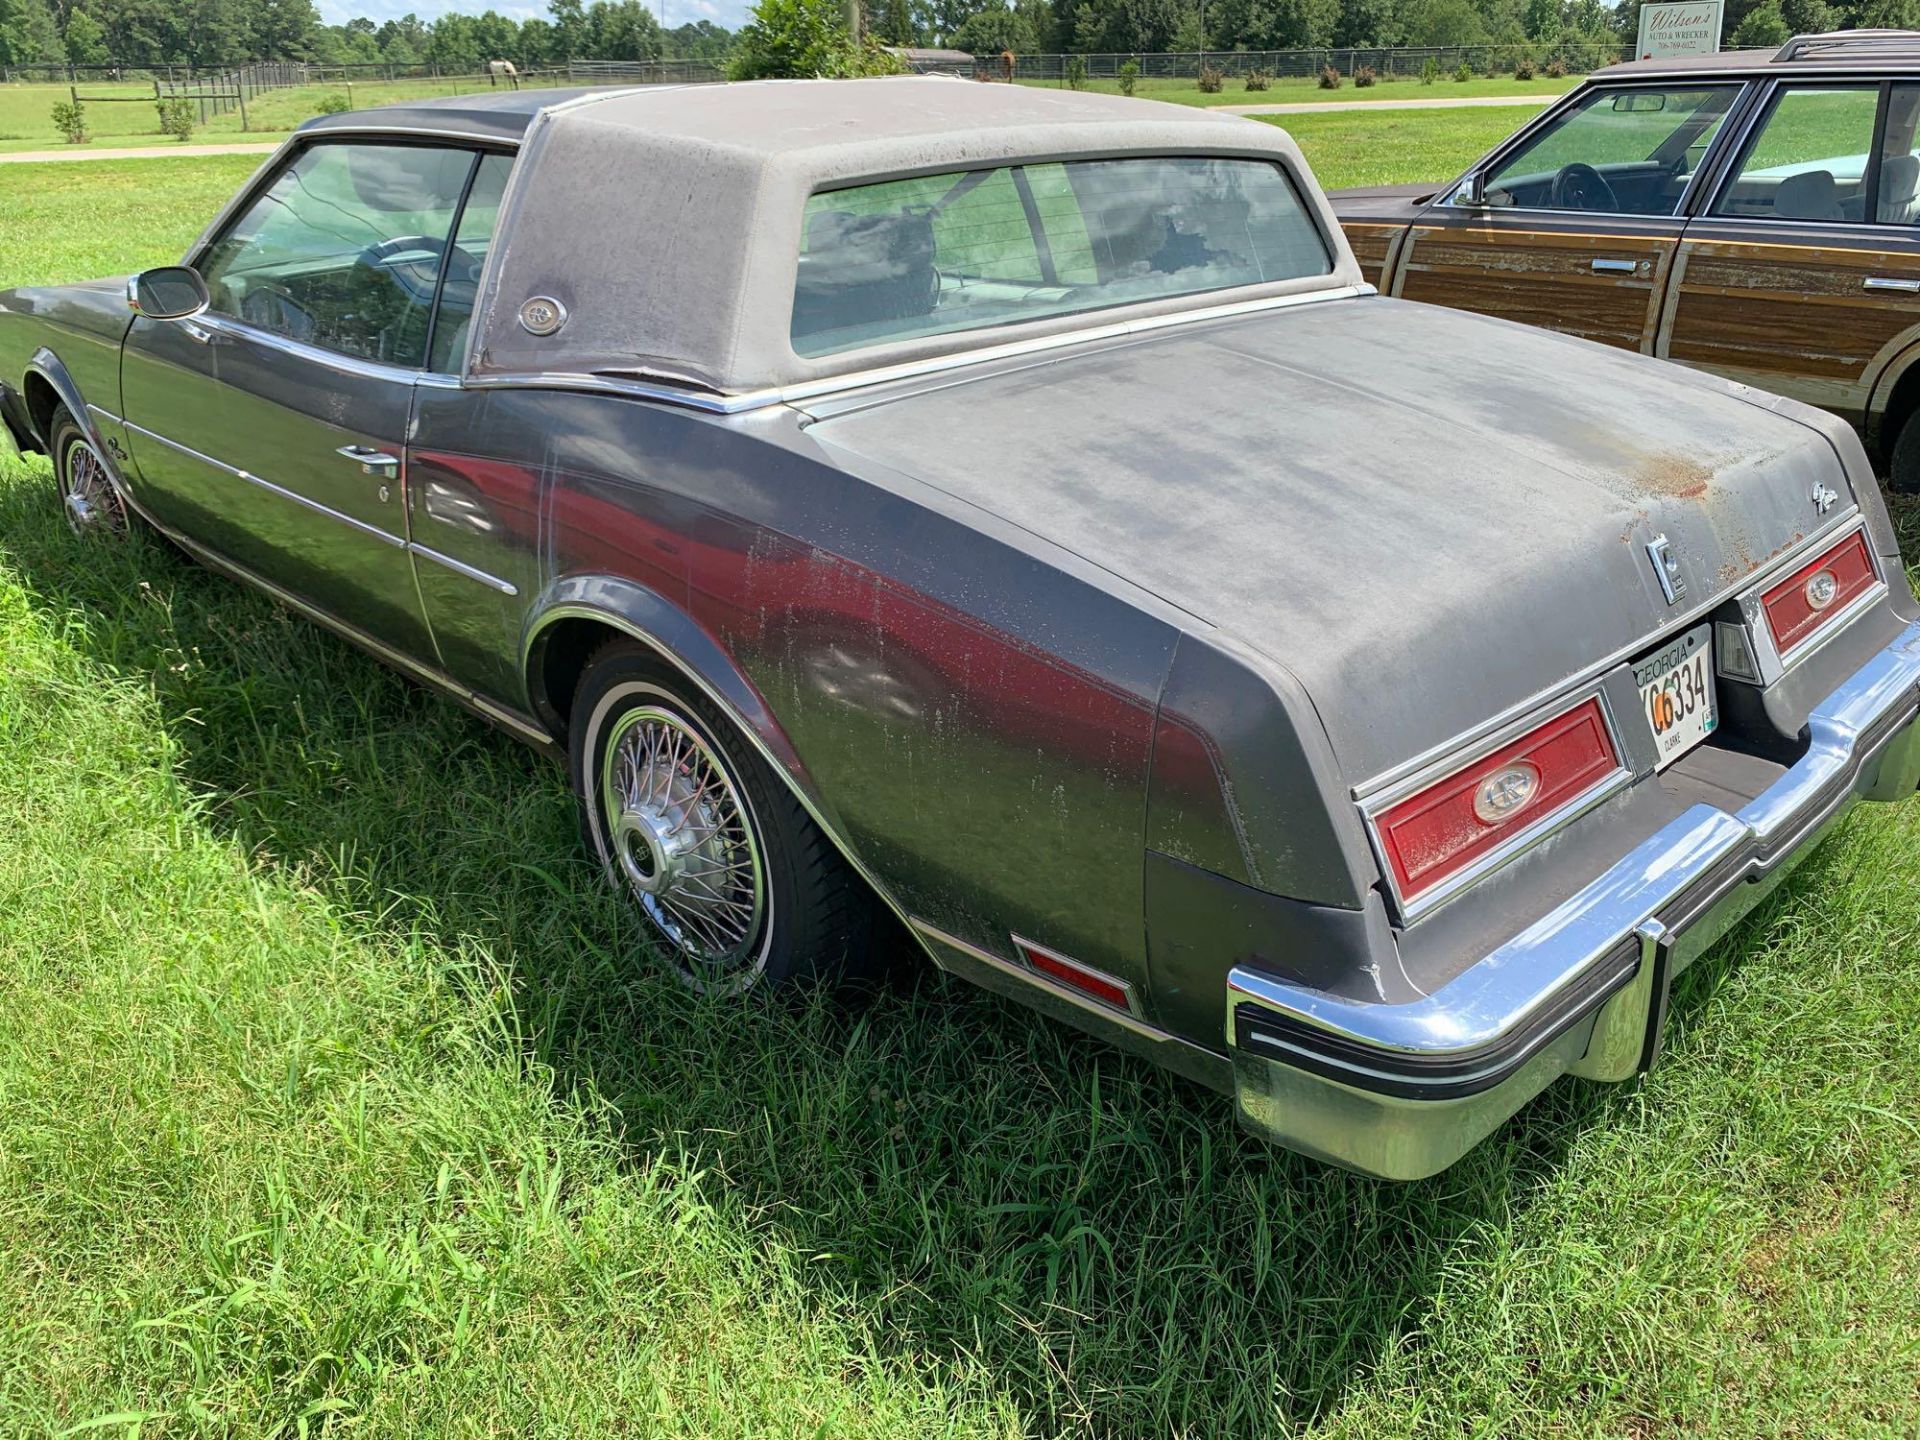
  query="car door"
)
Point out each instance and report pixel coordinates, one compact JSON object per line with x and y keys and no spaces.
{"x":1802,"y":274}
{"x":1574,"y":223}
{"x":271,"y":428}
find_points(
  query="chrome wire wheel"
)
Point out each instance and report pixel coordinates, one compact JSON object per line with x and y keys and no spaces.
{"x":87,"y":497}
{"x":680,"y":833}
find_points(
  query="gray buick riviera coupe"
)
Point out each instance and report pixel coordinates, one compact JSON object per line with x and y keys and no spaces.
{"x":1009,"y":515}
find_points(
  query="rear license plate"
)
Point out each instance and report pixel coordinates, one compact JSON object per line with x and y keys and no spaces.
{"x":1676,"y":693}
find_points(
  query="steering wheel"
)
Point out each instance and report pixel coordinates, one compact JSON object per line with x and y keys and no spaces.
{"x":1581,"y":187}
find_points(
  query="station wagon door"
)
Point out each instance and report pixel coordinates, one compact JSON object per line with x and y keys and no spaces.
{"x":1803,"y":273}
{"x":1581,"y":217}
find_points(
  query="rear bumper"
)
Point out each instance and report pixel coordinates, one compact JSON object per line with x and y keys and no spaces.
{"x":1402,"y":1091}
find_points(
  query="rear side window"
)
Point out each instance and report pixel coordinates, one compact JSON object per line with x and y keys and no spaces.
{"x":1808,"y":159}
{"x":942,"y":253}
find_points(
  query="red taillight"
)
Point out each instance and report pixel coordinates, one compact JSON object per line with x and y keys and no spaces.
{"x":1084,"y":978}
{"x":1818,"y":591}
{"x":1446,"y":827}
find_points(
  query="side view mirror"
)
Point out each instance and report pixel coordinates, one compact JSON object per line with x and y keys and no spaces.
{"x":171,"y":292}
{"x":1474,"y":192}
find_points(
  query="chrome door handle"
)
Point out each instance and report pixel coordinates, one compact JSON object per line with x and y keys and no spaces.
{"x":371,"y":461}
{"x":199,"y":334}
{"x":1616,"y":267}
{"x":1883,"y":282}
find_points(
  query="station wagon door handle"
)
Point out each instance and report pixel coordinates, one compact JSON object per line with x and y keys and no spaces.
{"x":1616,"y":267}
{"x":1887,"y":283}
{"x":371,"y":461}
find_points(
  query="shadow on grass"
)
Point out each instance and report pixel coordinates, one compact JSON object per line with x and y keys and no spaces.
{"x":961,"y":1176}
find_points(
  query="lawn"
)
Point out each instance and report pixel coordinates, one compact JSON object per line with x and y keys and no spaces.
{"x":1306,"y":91}
{"x":124,"y":115}
{"x":335,"y":1096}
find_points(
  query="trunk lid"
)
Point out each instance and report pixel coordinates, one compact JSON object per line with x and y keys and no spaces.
{"x":1427,"y":516}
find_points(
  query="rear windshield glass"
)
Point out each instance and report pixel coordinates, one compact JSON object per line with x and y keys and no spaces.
{"x":939,"y":253}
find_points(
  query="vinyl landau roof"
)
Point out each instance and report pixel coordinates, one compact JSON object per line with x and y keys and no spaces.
{"x":666,"y":220}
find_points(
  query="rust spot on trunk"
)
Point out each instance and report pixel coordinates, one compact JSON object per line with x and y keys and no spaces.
{"x":1679,"y":476}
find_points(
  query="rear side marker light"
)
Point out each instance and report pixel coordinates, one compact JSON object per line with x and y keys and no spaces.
{"x":1824,"y":588}
{"x":1445,"y":828}
{"x":1088,"y":981}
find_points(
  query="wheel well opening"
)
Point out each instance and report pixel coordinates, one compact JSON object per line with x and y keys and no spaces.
{"x":42,"y":401}
{"x":1901,"y":406}
{"x":560,"y":656}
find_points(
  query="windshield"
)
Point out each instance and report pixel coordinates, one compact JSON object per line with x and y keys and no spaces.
{"x":940,"y":253}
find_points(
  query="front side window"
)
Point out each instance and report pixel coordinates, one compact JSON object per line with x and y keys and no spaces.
{"x":1623,"y":152}
{"x":1808,"y":159}
{"x":903,"y":259}
{"x":344,"y":249}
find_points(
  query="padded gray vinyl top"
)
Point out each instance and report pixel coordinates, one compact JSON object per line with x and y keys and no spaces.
{"x":668,"y":220}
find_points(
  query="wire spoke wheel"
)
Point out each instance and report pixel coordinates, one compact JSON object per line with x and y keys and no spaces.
{"x":682,"y":837}
{"x":91,"y":504}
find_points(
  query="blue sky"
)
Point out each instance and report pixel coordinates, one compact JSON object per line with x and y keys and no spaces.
{"x":730,"y":13}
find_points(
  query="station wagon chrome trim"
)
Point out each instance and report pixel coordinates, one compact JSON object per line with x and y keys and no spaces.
{"x":460,"y":567}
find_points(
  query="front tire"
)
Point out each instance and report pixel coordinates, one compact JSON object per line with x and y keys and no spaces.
{"x":738,"y":887}
{"x":88,"y":499}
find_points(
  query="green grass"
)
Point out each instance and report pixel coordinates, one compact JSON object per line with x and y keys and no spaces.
{"x":127,"y":115}
{"x":1396,"y":147}
{"x":1305,"y":91}
{"x":335,"y":1095}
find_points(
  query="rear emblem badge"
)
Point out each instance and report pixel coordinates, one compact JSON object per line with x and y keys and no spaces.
{"x":1667,"y":570}
{"x":1823,"y":498}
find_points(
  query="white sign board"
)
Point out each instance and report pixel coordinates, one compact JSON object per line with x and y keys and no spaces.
{"x":1691,"y":27}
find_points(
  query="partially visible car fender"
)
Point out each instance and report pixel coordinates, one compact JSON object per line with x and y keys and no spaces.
{"x":650,"y":618}
{"x":53,"y":370}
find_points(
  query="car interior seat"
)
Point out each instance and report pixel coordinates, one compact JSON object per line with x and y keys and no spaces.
{"x":1809,"y":195}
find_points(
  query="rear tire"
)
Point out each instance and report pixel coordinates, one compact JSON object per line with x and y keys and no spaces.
{"x":1903,"y":460}
{"x":738,"y":887}
{"x":88,"y":499}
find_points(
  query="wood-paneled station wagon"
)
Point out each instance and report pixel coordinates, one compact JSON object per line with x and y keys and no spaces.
{"x":1008,"y":519}
{"x":1757,"y":215}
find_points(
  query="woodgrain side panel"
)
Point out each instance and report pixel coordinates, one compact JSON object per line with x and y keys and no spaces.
{"x":1543,"y":278}
{"x":1372,"y":244}
{"x":1797,"y":318}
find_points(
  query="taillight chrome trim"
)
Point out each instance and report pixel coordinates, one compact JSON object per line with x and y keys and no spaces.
{"x":1773,"y":662}
{"x":1582,"y":683}
{"x":1540,"y":828}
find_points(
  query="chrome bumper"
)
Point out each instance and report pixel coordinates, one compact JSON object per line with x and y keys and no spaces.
{"x":1402,"y":1091}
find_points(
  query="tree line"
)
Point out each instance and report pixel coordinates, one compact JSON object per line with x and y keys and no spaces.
{"x":141,"y":33}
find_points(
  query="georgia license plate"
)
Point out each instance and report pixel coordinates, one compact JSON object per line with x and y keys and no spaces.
{"x":1676,"y":693}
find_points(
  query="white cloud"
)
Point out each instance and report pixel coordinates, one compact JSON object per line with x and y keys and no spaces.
{"x":730,"y":13}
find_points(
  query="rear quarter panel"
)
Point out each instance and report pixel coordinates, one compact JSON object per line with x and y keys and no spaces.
{"x":974,"y":719}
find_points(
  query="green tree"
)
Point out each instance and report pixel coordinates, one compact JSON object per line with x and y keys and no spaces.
{"x":1762,"y":26}
{"x":991,"y":30}
{"x":496,"y":37}
{"x":797,"y":39}
{"x":29,"y":34}
{"x":622,"y":30}
{"x":86,"y":41}
{"x":894,"y":23}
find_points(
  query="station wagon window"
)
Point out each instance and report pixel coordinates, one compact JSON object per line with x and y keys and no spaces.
{"x":1621,"y":152}
{"x":1807,"y":161}
{"x":344,"y":249}
{"x":940,"y":253}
